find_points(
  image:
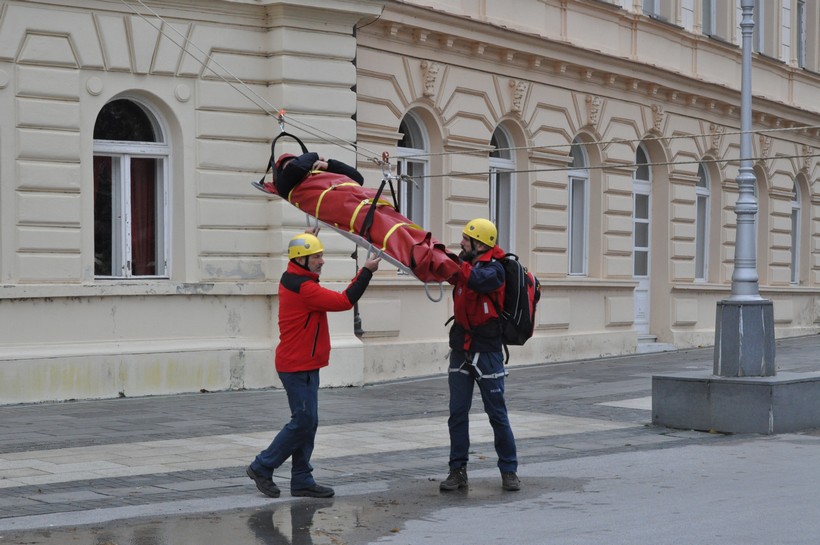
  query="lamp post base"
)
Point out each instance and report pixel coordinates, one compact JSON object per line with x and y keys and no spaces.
{"x":744,"y":339}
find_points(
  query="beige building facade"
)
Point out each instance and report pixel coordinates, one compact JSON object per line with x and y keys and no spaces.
{"x":601,"y":137}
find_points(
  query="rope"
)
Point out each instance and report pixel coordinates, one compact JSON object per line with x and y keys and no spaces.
{"x":270,"y":110}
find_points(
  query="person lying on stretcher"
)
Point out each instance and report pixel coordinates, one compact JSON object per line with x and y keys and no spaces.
{"x":291,"y":170}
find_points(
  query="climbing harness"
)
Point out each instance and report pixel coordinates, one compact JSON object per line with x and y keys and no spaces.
{"x":477,"y":372}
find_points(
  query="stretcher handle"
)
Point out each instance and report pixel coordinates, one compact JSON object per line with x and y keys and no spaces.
{"x":280,"y":135}
{"x":440,"y":292}
{"x":272,"y":160}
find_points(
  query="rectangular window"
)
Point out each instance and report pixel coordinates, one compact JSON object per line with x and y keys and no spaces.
{"x":640,"y":249}
{"x":795,"y":257}
{"x":501,"y":206}
{"x":129,"y":216}
{"x":701,"y":237}
{"x":687,"y":14}
{"x":759,"y":31}
{"x":785,"y":31}
{"x":651,"y":8}
{"x":578,"y":226}
{"x":709,"y":16}
{"x":412,"y":191}
{"x":800,"y":38}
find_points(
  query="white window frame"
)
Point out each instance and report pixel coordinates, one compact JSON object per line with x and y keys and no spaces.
{"x":502,"y":191}
{"x":578,"y":216}
{"x":123,"y":152}
{"x":414,"y":162}
{"x":702,"y":224}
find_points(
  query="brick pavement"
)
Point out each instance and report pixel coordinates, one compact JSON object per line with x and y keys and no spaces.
{"x":154,"y":452}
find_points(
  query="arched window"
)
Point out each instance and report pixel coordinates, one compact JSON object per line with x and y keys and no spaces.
{"x":411,"y":160}
{"x":130,"y":192}
{"x":702,"y":213}
{"x":578,"y":210}
{"x":502,"y":188}
{"x":795,"y":251}
{"x":641,"y":219}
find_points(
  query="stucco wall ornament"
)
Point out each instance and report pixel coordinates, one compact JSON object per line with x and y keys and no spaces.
{"x":657,"y":117}
{"x":430,"y":70}
{"x":94,"y":86}
{"x":519,"y":91}
{"x":716,"y":132}
{"x":182,"y":92}
{"x":808,"y":153}
{"x":765,"y":146}
{"x":594,"y":104}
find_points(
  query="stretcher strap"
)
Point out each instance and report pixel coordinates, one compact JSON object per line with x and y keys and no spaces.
{"x":322,"y":196}
{"x":393,"y":229}
{"x":362,"y":204}
{"x":368,"y":219}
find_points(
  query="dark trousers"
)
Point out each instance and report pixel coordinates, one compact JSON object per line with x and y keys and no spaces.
{"x":295,"y":440}
{"x":462,"y":378}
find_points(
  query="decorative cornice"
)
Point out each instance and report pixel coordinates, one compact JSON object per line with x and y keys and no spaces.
{"x":664,"y":88}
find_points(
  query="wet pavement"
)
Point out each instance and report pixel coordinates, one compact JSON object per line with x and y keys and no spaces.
{"x":170,"y":469}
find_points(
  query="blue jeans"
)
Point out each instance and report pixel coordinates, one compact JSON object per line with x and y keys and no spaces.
{"x":462,"y":378}
{"x":295,"y":440}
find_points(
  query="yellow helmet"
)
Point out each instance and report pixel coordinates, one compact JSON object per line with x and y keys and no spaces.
{"x":483,"y":231}
{"x":304,"y":245}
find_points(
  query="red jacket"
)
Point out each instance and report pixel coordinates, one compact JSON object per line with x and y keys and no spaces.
{"x":478,"y":289}
{"x":304,"y":339}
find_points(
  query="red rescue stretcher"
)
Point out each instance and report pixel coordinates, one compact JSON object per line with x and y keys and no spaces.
{"x":360,"y":214}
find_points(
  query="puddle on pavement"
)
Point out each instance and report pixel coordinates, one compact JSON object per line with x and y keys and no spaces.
{"x":347,"y":520}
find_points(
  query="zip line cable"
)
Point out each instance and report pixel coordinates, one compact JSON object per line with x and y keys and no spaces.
{"x":356,"y":148}
{"x":613,"y":165}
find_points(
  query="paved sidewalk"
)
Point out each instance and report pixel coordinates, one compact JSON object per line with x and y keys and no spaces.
{"x":124,"y":458}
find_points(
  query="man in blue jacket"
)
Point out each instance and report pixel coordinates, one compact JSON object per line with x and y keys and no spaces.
{"x":476,"y":354}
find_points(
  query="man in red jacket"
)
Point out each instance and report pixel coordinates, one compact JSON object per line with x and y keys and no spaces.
{"x":304,"y":348}
{"x":476,"y":354}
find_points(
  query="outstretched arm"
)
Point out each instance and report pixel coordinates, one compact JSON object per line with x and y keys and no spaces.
{"x":339,"y":167}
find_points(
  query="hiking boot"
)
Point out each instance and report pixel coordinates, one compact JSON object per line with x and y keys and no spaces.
{"x":264,"y":484}
{"x":509,"y":481}
{"x":313,"y":491}
{"x":455,"y":480}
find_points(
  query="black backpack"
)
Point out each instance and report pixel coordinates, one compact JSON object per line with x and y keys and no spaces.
{"x":522,"y":291}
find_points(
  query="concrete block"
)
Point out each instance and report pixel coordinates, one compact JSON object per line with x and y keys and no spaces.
{"x":785,"y":403}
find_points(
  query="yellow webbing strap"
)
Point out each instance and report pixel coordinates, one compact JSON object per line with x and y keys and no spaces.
{"x":322,"y":196}
{"x":311,"y":173}
{"x":361,"y":205}
{"x":393,"y":229}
